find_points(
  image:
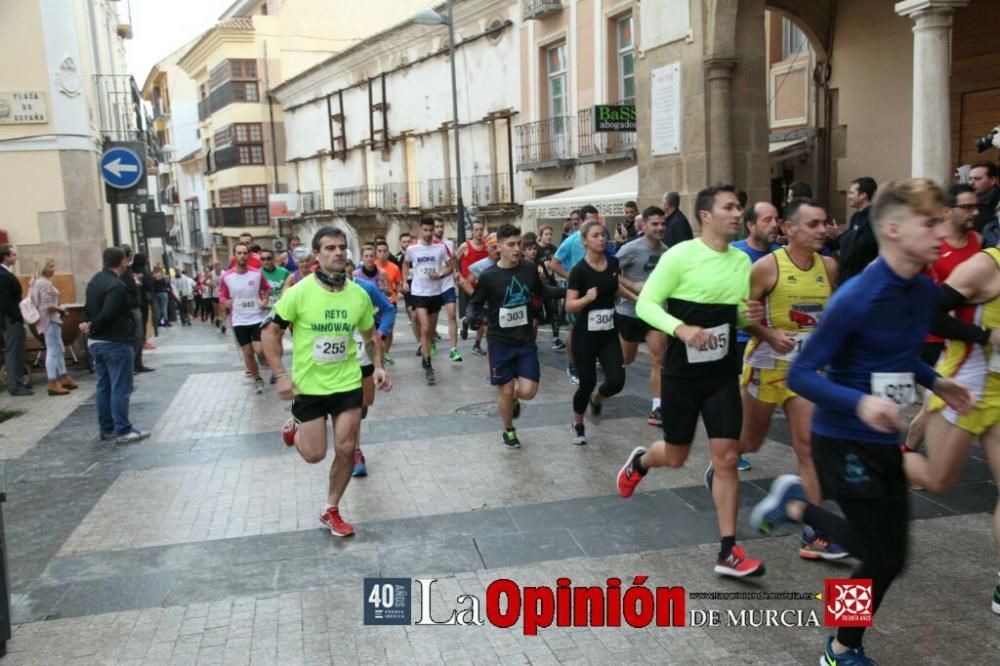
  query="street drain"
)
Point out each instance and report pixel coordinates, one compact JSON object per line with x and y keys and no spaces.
{"x":487,"y":409}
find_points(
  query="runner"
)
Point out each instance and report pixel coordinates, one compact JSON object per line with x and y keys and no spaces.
{"x":468,"y":253}
{"x":392,"y":279}
{"x":859,"y":367}
{"x":553,"y":307}
{"x":245,"y":293}
{"x":277,"y":278}
{"x":795,"y":283}
{"x":253,"y":257}
{"x":324,"y":311}
{"x":429,"y":263}
{"x":448,"y":293}
{"x":405,"y":241}
{"x":220,"y":312}
{"x":637,"y":260}
{"x":367,"y":270}
{"x":703,"y":283}
{"x":590,"y":295}
{"x":505,"y":291}
{"x":478,"y":315}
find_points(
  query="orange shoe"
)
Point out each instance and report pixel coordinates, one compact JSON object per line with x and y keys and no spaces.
{"x":55,"y":388}
{"x":68,"y":383}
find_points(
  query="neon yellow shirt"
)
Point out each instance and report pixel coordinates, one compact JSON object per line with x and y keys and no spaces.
{"x":324,"y":355}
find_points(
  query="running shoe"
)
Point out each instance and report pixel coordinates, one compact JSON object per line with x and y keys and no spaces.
{"x":131,"y":437}
{"x":429,"y":375}
{"x":455,"y":356}
{"x":465,"y":329}
{"x":477,"y":350}
{"x":517,"y":408}
{"x":815,"y":546}
{"x":739,"y":565}
{"x":996,"y":600}
{"x":223,"y":329}
{"x":628,"y":477}
{"x":387,"y":359}
{"x":360,"y":468}
{"x":655,"y":418}
{"x":571,"y":372}
{"x":595,"y":411}
{"x":338,"y":526}
{"x":772,"y":510}
{"x":558,"y":345}
{"x":853,"y":657}
{"x":258,"y":385}
{"x":743,"y":465}
{"x":420,"y":350}
{"x":579,"y":434}
{"x":709,"y":477}
{"x":288,"y":431}
{"x":510,"y":439}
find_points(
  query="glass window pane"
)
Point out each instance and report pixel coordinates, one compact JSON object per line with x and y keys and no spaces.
{"x":625,"y":33}
{"x":241,"y":133}
{"x":628,"y":88}
{"x":261,"y":192}
{"x":255,"y":132}
{"x":257,"y":154}
{"x":252,"y":92}
{"x":628,"y":64}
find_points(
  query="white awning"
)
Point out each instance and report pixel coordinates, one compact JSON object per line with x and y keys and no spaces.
{"x":607,"y":194}
{"x":780,"y":150}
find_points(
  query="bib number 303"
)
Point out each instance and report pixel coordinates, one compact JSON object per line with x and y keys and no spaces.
{"x":715,"y":349}
{"x":899,"y":387}
{"x":601,"y":320}
{"x":513,"y":317}
{"x":330,"y":350}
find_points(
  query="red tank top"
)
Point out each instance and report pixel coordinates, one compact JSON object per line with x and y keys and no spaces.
{"x":471,"y":256}
{"x":950,"y":258}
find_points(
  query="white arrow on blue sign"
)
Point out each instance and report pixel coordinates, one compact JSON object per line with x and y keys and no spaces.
{"x":121,"y":168}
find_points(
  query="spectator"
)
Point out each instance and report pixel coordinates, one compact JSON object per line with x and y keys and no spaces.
{"x":858,"y":246}
{"x":183,"y":290}
{"x":13,"y":323}
{"x":631,"y":212}
{"x":45,"y":297}
{"x":144,"y":280}
{"x":678,"y":228}
{"x":290,"y":264}
{"x":983,"y":178}
{"x":107,"y":319}
{"x":161,"y":294}
{"x":798,"y":190}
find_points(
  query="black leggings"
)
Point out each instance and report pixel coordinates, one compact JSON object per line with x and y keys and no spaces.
{"x":873,"y":529}
{"x":588,"y":349}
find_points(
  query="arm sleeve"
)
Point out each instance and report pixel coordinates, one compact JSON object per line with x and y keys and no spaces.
{"x":387,"y":311}
{"x":659,"y":286}
{"x":284,"y":309}
{"x":946,"y":326}
{"x":741,"y":320}
{"x":822,"y":347}
{"x":924,"y":374}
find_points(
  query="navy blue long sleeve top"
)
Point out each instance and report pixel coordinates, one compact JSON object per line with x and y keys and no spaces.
{"x":875,"y":323}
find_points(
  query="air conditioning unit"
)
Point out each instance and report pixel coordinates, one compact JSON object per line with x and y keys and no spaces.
{"x":279,"y":245}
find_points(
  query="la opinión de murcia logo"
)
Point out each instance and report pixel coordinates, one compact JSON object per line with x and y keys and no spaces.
{"x":848,"y":602}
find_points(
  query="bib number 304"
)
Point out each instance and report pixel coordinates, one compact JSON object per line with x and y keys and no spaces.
{"x":715,"y":349}
{"x":330,"y":350}
{"x":899,"y":387}
{"x":601,"y":320}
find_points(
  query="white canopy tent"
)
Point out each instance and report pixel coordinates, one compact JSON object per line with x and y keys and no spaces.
{"x":607,"y":194}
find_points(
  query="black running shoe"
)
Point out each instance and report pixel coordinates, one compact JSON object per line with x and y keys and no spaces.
{"x":510,"y":439}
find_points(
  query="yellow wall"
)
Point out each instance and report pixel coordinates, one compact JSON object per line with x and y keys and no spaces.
{"x":21,"y":34}
{"x":32,"y":183}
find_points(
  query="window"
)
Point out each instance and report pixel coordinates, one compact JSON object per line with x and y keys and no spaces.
{"x":245,"y":92}
{"x":626,"y":60}
{"x":247,"y":141}
{"x":250,"y":202}
{"x":793,"y":41}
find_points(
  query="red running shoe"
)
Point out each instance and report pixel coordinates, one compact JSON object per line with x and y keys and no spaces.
{"x":288,"y":431}
{"x":338,"y":526}
{"x":628,"y":478}
{"x":739,"y":565}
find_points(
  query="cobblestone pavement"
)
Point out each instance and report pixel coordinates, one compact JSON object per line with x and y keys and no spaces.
{"x":200,"y":545}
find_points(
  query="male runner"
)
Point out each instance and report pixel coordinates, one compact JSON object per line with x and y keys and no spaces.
{"x":253,"y":258}
{"x":795,"y":283}
{"x":390,"y":272}
{"x":323,"y":311}
{"x":636,"y":260}
{"x":429,"y":263}
{"x":468,"y":253}
{"x":448,"y":293}
{"x":703,"y":283}
{"x":468,"y":285}
{"x":276,"y":276}
{"x":405,"y":241}
{"x":244,"y":293}
{"x":368,"y":270}
{"x":506,"y":289}
{"x":860,"y":366}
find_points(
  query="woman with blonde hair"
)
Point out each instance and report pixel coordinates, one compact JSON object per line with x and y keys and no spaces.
{"x":46,"y":299}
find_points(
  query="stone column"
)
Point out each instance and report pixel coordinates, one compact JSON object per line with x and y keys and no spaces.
{"x":719,"y":76}
{"x":931,"y":156}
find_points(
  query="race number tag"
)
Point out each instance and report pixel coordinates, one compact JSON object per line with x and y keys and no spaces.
{"x":716,"y":348}
{"x":513,"y":317}
{"x":426,"y":270}
{"x":898,"y":387}
{"x":800,"y":342}
{"x":330,"y":350}
{"x":994,"y":365}
{"x":362,"y":356}
{"x":601,"y":320}
{"x":246,"y":307}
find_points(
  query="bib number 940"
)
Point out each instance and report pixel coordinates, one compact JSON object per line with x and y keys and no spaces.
{"x":715,"y":349}
{"x":899,"y":387}
{"x":330,"y":350}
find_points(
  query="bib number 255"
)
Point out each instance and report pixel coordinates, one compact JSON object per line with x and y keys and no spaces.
{"x":330,"y":350}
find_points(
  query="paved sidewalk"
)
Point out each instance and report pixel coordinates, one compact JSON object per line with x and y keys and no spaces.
{"x":200,"y":545}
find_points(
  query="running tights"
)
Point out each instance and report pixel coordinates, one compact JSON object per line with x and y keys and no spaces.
{"x":588,"y":349}
{"x":876,"y":531}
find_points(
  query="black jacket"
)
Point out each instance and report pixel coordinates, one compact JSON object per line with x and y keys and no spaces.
{"x":858,"y":246}
{"x":10,"y":296}
{"x":678,"y":229}
{"x":107,"y":309}
{"x":131,"y":288}
{"x":987,"y":202}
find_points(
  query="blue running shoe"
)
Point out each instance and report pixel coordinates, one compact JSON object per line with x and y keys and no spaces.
{"x":771,"y":510}
{"x":816,"y":546}
{"x":743,"y":465}
{"x":709,"y":477}
{"x":853,"y":657}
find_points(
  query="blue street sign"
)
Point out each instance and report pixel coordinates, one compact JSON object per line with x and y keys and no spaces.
{"x":121,"y":168}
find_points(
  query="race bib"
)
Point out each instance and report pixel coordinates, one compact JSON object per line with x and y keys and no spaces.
{"x":800,"y":341}
{"x":513,"y":317}
{"x":601,"y":320}
{"x":330,"y":350}
{"x":246,"y":306}
{"x":426,"y":270}
{"x":362,"y":356}
{"x":898,"y":387}
{"x":994,"y":365}
{"x":715,"y":349}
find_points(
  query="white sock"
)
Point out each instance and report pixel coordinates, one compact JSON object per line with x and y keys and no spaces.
{"x":327,"y":507}
{"x":656,"y":404}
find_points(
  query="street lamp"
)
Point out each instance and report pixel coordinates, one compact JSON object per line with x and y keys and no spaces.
{"x":431,"y":17}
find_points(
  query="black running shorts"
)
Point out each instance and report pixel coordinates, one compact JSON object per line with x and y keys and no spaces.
{"x":247,"y":334}
{"x":631,"y":329}
{"x":430,"y":303}
{"x":849,"y":469}
{"x":715,"y":399}
{"x":310,"y":407}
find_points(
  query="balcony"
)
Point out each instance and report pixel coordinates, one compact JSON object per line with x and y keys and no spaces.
{"x":545,"y":143}
{"x":602,"y":146}
{"x":539,"y":9}
{"x":359,"y":198}
{"x":401,"y":197}
{"x":311,"y":202}
{"x":120,"y":110}
{"x":225,"y":217}
{"x":203,"y":110}
{"x":492,"y":189}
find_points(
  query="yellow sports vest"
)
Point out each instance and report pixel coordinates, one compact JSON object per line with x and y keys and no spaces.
{"x":969,"y":359}
{"x":794,"y":304}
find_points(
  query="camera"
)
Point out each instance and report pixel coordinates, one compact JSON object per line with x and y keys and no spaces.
{"x":991,"y":140}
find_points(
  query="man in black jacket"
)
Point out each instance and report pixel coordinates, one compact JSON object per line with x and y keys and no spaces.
{"x":135,"y":305}
{"x":678,"y":228}
{"x":107,"y":319}
{"x":858,"y":246}
{"x":12,"y":323}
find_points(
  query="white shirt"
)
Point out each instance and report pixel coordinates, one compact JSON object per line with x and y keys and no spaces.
{"x":447,"y":282}
{"x":424,"y":260}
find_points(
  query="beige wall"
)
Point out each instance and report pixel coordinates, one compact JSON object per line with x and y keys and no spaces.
{"x":21,"y":34}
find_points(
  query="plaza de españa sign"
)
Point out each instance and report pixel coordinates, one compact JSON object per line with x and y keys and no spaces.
{"x":614,"y":118}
